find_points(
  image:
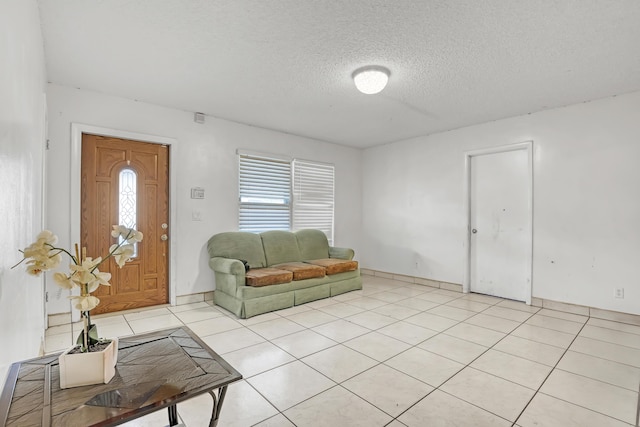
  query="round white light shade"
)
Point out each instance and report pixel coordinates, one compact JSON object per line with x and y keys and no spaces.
{"x":371,"y":80}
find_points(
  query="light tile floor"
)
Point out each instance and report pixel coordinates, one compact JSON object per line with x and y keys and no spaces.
{"x":398,"y":354}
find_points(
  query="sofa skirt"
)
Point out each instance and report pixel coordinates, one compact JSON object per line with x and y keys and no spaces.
{"x":249,"y":307}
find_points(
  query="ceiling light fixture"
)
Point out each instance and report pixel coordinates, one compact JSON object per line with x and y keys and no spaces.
{"x":371,"y":79}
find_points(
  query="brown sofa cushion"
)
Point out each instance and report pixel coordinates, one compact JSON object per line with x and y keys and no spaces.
{"x":302,"y":270}
{"x":335,"y":265}
{"x":267,"y":276}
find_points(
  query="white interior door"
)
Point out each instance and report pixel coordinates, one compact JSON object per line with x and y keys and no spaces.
{"x":500,"y":223}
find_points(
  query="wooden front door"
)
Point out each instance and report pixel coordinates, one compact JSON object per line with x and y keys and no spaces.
{"x":127,"y":183}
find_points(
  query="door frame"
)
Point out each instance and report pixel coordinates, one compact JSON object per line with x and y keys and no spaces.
{"x":528,"y":147}
{"x":77,"y":129}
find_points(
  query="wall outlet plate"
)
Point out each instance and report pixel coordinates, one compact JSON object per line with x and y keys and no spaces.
{"x":619,"y":293}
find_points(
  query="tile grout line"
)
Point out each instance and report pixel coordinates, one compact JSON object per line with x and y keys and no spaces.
{"x":412,"y":346}
{"x":370,"y":331}
{"x":492,"y":347}
{"x":535,"y":391}
{"x":549,"y":374}
{"x":468,"y":365}
{"x":339,"y":384}
{"x":335,"y":383}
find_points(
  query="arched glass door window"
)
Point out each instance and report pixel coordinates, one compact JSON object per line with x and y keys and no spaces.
{"x":128,"y":201}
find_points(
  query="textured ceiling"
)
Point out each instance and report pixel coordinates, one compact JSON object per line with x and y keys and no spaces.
{"x":287,"y":64}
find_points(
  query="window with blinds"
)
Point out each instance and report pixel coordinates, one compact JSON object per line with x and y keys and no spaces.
{"x":276,"y":194}
{"x":265,"y":194}
{"x":313,"y":201}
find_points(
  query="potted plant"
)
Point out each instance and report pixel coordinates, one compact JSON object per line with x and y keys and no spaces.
{"x":92,"y":360}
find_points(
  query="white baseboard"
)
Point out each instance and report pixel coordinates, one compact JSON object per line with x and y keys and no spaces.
{"x":455,"y":287}
{"x":193,"y":298}
{"x":582,"y":310}
{"x":58,"y":319}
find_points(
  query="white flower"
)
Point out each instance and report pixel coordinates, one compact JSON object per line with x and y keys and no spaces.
{"x":43,"y":255}
{"x":118,"y":231}
{"x":35,"y":251}
{"x":85,"y":303}
{"x":35,"y":269}
{"x":136,"y":236}
{"x":127,"y":234}
{"x":46,"y":236}
{"x":98,"y":279}
{"x":121,"y":254}
{"x":54,"y":258}
{"x":63,"y":280}
{"x":82,"y":274}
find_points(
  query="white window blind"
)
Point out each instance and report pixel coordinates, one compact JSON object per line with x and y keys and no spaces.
{"x":313,"y":196}
{"x":265,"y":194}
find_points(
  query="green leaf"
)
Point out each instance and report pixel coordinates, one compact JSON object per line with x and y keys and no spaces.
{"x":93,"y":337}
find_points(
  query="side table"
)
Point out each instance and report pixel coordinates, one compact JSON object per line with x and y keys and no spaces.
{"x":154,"y":371}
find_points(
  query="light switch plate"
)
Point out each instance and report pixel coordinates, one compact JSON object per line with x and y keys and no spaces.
{"x":197,"y":193}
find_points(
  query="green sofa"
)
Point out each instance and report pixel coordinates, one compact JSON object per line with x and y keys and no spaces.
{"x":228,"y":250}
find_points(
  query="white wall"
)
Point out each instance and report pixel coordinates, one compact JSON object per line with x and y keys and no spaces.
{"x":204,"y":156}
{"x":22,"y":85}
{"x":586,"y":201}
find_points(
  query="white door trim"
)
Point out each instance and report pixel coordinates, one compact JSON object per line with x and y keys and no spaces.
{"x":77,"y":129}
{"x":525,"y":145}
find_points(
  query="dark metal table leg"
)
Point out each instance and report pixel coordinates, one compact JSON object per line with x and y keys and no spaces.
{"x":217,"y":405}
{"x":173,"y":415}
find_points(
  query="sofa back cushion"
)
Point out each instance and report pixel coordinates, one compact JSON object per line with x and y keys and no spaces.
{"x":313,"y":244}
{"x":280,"y":247}
{"x":238,"y":245}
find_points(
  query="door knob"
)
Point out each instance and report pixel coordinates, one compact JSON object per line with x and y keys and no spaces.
{"x":474,"y":231}
{"x":164,"y":237}
{"x":164,"y":226}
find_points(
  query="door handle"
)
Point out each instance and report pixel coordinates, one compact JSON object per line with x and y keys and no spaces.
{"x":474,"y":231}
{"x":164,"y":237}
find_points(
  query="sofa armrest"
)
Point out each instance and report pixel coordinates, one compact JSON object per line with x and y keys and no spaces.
{"x":227,"y":265}
{"x":342,"y":253}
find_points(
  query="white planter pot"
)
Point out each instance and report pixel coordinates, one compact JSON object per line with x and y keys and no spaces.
{"x":88,"y":368}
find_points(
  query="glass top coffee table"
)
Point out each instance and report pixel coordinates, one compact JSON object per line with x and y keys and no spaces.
{"x":154,"y":371}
